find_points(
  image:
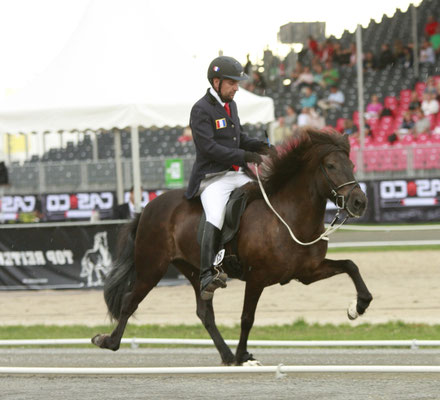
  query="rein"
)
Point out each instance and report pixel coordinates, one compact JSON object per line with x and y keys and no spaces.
{"x":331,"y":228}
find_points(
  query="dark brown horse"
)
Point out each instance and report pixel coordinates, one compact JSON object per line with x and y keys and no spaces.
{"x":298,"y":182}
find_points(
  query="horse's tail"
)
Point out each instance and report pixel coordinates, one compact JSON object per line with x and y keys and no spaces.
{"x":121,"y":278}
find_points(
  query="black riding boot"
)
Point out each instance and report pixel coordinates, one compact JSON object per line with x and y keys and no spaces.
{"x":211,"y":277}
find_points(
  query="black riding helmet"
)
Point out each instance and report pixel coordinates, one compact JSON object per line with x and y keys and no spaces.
{"x":225,"y":67}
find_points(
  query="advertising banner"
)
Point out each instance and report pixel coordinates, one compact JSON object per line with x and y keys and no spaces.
{"x":59,"y":257}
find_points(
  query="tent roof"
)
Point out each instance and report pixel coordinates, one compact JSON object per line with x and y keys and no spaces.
{"x":117,"y":71}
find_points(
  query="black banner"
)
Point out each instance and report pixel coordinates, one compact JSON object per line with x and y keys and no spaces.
{"x":56,"y":257}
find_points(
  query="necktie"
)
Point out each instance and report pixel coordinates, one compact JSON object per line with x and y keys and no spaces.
{"x":228,"y":110}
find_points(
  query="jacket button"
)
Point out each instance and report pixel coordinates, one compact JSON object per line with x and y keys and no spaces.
{"x":234,"y":138}
{"x":233,"y":126}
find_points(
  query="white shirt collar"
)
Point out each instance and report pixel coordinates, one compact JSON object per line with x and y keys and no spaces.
{"x":217,"y":97}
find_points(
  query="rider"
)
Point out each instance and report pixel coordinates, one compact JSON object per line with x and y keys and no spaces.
{"x":222,"y":151}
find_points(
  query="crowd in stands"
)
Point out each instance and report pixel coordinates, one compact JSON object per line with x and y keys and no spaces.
{"x":313,"y":76}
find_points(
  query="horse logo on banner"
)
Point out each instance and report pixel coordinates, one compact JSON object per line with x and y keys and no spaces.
{"x":96,"y":262}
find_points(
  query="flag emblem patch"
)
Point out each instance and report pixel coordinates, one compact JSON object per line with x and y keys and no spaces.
{"x":220,"y":123}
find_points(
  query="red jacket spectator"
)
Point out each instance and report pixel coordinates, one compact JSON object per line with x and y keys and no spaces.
{"x":431,"y":26}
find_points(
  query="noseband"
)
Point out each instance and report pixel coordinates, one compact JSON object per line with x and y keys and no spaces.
{"x":339,"y":199}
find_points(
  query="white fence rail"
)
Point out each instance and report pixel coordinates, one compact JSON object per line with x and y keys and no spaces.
{"x":135,"y":342}
{"x":279,"y":370}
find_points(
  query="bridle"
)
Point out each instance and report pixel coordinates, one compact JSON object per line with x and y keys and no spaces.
{"x":338,"y":197}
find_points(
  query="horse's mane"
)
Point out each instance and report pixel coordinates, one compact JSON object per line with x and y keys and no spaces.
{"x":308,"y":147}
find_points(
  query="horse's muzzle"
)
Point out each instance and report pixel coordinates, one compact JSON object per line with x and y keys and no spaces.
{"x":356,"y":204}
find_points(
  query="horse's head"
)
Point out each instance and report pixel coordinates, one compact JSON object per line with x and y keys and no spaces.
{"x":337,"y":182}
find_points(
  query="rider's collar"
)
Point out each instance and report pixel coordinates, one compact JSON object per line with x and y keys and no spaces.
{"x":217,"y":97}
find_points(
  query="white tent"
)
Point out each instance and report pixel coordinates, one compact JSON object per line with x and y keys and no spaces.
{"x":119,"y":71}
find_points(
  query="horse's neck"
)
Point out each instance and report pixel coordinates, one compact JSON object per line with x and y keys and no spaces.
{"x":300,"y":204}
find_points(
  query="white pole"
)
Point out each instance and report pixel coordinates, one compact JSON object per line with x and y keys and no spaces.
{"x":118,"y":161}
{"x":220,"y":370}
{"x":360,"y":83}
{"x":415,"y":40}
{"x":136,"y":167}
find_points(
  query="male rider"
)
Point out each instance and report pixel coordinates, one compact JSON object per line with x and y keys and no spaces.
{"x":222,"y":151}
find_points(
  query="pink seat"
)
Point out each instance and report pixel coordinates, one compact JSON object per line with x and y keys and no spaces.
{"x":370,"y":160}
{"x":419,"y":88}
{"x":408,"y":139}
{"x":391,"y":102}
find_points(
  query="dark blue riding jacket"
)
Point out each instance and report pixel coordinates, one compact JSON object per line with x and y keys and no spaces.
{"x":219,"y":140}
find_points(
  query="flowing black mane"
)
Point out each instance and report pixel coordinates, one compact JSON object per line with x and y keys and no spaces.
{"x":308,"y":148}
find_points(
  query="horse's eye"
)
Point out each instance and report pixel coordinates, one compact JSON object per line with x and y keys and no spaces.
{"x":330,"y":166}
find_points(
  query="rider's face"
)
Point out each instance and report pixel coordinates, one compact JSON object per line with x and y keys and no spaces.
{"x":228,"y":89}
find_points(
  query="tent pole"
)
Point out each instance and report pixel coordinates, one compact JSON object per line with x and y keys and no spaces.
{"x":136,"y":167}
{"x":118,"y":161}
{"x":360,"y":84}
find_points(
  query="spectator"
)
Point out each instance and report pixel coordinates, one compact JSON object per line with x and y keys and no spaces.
{"x":126,"y":210}
{"x":427,"y":55}
{"x":353,"y":54}
{"x":350,"y":128}
{"x":309,"y":117}
{"x":398,"y":51}
{"x":431,"y":26}
{"x":313,"y":46}
{"x":305,"y":78}
{"x":318,"y":79}
{"x":330,"y":74}
{"x":248,"y":66}
{"x":290,"y":117}
{"x":423,"y":124}
{"x":435,"y":40}
{"x":258,"y":83}
{"x":407,"y":124}
{"x":414,"y":104}
{"x":296,"y":72}
{"x":334,"y":101}
{"x":430,"y":104}
{"x":374,"y":108}
{"x":309,"y":100}
{"x":281,"y":131}
{"x":385,"y":56}
{"x":430,"y":85}
{"x":327,"y":51}
{"x":370,"y":62}
{"x":186,"y":136}
{"x":407,"y":60}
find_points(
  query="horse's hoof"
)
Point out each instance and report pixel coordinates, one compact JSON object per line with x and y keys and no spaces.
{"x":352,"y":310}
{"x":252,"y":363}
{"x":98,"y":340}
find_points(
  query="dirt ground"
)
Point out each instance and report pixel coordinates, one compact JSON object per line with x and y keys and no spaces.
{"x":405,"y":286}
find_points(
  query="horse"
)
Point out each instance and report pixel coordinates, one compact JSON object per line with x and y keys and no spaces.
{"x":298,"y":180}
{"x":96,"y":261}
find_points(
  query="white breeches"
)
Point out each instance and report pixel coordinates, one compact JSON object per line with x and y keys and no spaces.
{"x":216,"y":195}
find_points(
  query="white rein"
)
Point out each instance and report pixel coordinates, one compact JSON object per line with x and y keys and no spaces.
{"x":324,"y":236}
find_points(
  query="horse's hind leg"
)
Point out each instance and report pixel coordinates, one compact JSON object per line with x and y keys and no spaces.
{"x":143,"y":284}
{"x":328,"y":268}
{"x":205,"y":312}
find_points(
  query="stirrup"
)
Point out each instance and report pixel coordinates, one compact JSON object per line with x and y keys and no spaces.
{"x":218,"y":280}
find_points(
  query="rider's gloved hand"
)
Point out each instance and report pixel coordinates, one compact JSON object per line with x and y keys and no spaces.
{"x":267,"y":149}
{"x":251,"y":157}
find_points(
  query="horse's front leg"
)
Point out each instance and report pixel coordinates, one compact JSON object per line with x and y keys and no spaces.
{"x":252,"y":295}
{"x":328,"y":268}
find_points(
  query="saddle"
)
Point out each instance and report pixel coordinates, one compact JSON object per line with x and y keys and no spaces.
{"x":234,"y":210}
